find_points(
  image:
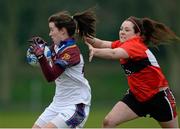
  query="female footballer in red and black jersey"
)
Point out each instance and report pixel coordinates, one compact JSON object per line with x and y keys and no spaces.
{"x":149,"y":91}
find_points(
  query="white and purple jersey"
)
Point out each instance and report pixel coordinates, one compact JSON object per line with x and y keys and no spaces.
{"x":67,"y":72}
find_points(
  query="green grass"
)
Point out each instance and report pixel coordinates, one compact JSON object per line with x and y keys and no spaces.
{"x":22,"y":119}
{"x":18,"y":119}
{"x":96,"y":117}
{"x":108,"y":85}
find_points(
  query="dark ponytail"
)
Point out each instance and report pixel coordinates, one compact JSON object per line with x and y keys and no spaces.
{"x":153,"y":32}
{"x":83,"y":23}
{"x":86,"y":22}
{"x":156,"y":32}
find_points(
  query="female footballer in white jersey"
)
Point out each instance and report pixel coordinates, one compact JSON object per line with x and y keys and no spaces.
{"x":71,"y":102}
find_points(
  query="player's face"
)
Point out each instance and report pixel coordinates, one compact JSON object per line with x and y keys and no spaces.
{"x":55,"y":34}
{"x":126,"y":31}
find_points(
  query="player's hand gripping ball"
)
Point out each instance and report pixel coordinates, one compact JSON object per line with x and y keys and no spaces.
{"x":38,"y":48}
{"x":33,"y":60}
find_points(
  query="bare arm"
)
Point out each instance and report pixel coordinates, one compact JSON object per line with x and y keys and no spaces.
{"x":107,"y":53}
{"x":98,"y":43}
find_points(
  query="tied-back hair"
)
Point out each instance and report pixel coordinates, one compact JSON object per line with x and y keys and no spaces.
{"x":153,"y":32}
{"x":84,"y":23}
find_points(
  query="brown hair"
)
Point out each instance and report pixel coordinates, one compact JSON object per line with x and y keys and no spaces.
{"x":153,"y":32}
{"x":84,"y":22}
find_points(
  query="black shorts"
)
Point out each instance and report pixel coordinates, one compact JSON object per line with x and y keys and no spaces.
{"x":161,"y":107}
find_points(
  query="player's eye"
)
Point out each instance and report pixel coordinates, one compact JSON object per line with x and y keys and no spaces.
{"x":127,"y":30}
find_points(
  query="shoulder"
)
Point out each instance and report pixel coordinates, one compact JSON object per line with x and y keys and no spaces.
{"x":116,"y":44}
{"x":67,"y":46}
{"x":135,"y":47}
{"x":71,"y":50}
{"x":68,"y":57}
{"x":135,"y":42}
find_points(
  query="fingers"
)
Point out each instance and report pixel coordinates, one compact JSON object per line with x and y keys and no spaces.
{"x":90,"y":58}
{"x":91,"y":53}
{"x":37,"y":45}
{"x":89,"y":39}
{"x":89,"y":36}
{"x":88,"y":44}
{"x":37,"y":40}
{"x":33,"y":47}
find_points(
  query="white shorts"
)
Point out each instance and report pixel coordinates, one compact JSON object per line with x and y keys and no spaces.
{"x":67,"y":117}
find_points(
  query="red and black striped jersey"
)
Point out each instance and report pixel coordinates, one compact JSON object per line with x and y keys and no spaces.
{"x":143,"y":72}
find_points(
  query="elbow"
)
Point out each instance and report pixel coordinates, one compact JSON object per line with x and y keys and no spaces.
{"x":50,"y":79}
{"x":52,"y":76}
{"x":113,"y":55}
{"x":116,"y":55}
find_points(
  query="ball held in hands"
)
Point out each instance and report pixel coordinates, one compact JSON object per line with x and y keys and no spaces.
{"x":37,"y":49}
{"x":32,"y":58}
{"x":37,"y":45}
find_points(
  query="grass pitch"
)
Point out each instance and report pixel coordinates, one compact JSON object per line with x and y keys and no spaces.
{"x":21,"y":119}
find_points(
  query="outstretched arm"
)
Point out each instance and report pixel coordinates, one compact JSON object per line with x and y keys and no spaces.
{"x":97,"y":43}
{"x":107,"y":53}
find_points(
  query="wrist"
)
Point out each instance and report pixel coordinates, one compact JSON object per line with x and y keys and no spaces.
{"x":40,"y":56}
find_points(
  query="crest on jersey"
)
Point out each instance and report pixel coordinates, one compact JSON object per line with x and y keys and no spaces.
{"x":66,"y":56}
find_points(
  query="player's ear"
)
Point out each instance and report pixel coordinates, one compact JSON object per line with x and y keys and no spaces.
{"x":64,"y":30}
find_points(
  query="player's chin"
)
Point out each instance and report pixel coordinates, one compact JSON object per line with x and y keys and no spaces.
{"x":55,"y":42}
{"x":122,"y":40}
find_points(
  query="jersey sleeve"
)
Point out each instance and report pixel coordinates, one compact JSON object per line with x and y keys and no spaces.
{"x":115,"y":44}
{"x":50,"y":72}
{"x":134,"y":49}
{"x":69,"y":57}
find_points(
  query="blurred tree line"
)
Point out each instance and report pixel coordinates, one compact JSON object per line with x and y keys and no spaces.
{"x":22,"y":19}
